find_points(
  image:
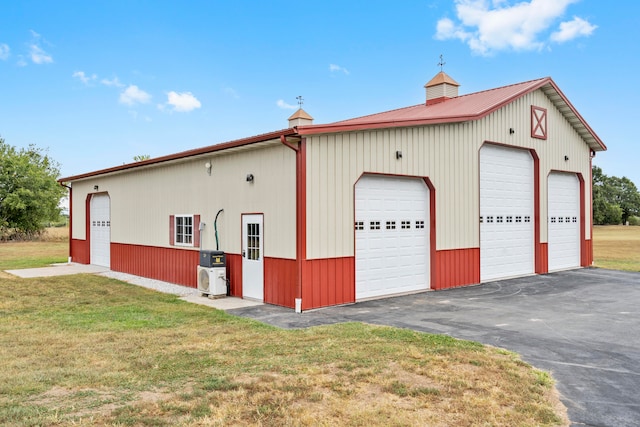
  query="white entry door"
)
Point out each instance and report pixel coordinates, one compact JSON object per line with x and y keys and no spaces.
{"x":564,"y":221}
{"x":252,"y":257}
{"x":392,"y":236}
{"x":100,"y":217}
{"x":506,"y":213}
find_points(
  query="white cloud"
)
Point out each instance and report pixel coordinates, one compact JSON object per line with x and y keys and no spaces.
{"x":4,"y":51}
{"x":80,"y":75}
{"x":37,"y":53}
{"x":488,"y":27}
{"x":337,"y":68}
{"x":114,"y":82}
{"x":284,"y":105}
{"x":134,"y":95}
{"x":183,"y":102}
{"x":573,"y":29}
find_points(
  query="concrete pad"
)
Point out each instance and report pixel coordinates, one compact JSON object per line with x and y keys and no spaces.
{"x":225,"y":303}
{"x":57,"y":270}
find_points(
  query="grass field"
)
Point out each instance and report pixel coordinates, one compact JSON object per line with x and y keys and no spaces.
{"x":616,"y":247}
{"x":88,"y":350}
{"x":53,"y":248}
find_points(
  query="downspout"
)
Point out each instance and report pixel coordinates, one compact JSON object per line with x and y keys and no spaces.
{"x":299,"y":230}
{"x":69,"y":258}
{"x":283,"y":139}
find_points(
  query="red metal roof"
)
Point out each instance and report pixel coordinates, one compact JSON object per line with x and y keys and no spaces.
{"x":463,"y":108}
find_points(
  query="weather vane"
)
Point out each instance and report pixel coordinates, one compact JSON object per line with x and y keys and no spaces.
{"x":300,"y":101}
{"x":441,"y":63}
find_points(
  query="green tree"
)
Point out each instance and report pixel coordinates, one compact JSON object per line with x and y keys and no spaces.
{"x":625,"y":194}
{"x":141,"y":157}
{"x":615,"y":200}
{"x":29,"y":192}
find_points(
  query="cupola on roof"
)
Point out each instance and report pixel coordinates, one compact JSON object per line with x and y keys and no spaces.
{"x":440,"y":88}
{"x":300,"y":118}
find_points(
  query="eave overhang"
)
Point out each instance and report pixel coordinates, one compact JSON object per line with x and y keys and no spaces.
{"x":186,"y":154}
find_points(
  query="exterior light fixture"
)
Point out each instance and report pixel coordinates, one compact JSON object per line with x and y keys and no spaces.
{"x":512,"y":131}
{"x":250,"y":177}
{"x":207,"y":166}
{"x":566,"y":158}
{"x":398,"y":154}
{"x":95,"y":188}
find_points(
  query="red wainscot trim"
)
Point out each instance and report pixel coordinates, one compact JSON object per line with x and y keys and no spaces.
{"x":456,"y":267}
{"x":234,"y":274}
{"x":588,"y":253}
{"x":327,"y":282}
{"x":280,"y":281}
{"x":80,"y":251}
{"x":171,"y":265}
{"x":542,"y":258}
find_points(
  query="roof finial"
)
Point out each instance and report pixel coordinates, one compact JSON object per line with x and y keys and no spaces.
{"x":441,"y":63}
{"x":300,"y":101}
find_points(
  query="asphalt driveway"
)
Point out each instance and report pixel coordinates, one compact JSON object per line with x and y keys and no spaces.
{"x":582,"y":325}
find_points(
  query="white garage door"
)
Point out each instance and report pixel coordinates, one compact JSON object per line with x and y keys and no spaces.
{"x":392,"y":236}
{"x":100,"y":230}
{"x":506,"y":213}
{"x":564,"y":221}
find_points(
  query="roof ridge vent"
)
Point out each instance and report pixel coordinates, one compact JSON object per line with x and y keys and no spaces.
{"x":440,"y":88}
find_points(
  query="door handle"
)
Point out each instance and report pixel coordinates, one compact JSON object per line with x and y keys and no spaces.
{"x":244,"y":254}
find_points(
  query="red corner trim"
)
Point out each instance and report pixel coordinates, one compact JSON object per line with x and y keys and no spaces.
{"x":540,"y":260}
{"x":432,"y":232}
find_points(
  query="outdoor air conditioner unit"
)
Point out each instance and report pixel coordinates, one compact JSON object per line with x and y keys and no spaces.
{"x":212,"y":281}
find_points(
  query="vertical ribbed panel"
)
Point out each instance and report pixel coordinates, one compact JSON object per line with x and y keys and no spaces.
{"x":177,"y":266}
{"x":457,"y":267}
{"x":234,"y":274}
{"x":280,"y":280}
{"x":587,"y":261}
{"x":142,"y":200}
{"x":448,"y":155}
{"x":328,"y":282}
{"x":542,"y":258}
{"x":80,"y":251}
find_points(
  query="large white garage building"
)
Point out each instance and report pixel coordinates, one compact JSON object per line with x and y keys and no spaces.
{"x":458,"y":190}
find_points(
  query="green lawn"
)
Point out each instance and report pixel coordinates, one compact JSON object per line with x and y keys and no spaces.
{"x":88,"y":350}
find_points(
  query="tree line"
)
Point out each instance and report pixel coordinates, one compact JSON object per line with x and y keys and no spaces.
{"x":615,"y":200}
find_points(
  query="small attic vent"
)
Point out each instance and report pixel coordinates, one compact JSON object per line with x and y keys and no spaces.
{"x":440,"y":88}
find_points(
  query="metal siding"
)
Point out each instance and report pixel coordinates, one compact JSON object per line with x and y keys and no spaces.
{"x":142,"y":200}
{"x":448,"y":155}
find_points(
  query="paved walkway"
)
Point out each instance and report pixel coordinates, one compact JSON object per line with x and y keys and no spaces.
{"x":187,"y":294}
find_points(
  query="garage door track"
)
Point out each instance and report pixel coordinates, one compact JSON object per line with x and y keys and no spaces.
{"x":582,"y":325}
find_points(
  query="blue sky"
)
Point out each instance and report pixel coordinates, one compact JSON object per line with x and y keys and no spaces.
{"x":100,"y":82}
